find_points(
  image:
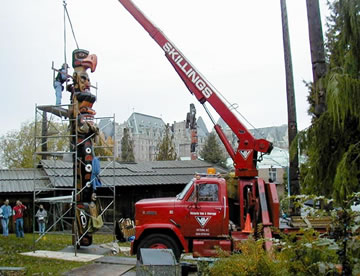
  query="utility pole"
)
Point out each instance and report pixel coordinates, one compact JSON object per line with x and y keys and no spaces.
{"x":317,"y":54}
{"x":293,"y":176}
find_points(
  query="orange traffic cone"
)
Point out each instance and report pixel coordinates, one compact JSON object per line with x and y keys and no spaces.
{"x":247,"y":228}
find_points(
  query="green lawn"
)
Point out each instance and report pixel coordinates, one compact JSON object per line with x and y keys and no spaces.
{"x":11,"y":246}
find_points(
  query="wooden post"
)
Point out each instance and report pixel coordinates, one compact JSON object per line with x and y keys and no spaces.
{"x":317,"y":53}
{"x":294,"y":188}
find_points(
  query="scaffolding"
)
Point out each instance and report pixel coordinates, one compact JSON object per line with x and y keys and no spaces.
{"x":56,"y":152}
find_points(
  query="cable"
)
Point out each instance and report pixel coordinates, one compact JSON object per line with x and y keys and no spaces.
{"x":64,"y":3}
{"x":231,"y":106}
{"x":72,"y":29}
{"x":234,"y":107}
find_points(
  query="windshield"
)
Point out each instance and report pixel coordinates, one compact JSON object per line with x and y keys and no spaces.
{"x":186,"y":189}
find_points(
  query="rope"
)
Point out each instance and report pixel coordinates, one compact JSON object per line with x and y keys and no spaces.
{"x":66,"y":15}
{"x":72,"y":29}
{"x":64,"y":3}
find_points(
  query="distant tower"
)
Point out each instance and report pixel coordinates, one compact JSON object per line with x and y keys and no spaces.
{"x":191,"y":123}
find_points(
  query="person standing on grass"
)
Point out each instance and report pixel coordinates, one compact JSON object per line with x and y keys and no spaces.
{"x":41,"y":216}
{"x":18,"y":211}
{"x":5,"y":211}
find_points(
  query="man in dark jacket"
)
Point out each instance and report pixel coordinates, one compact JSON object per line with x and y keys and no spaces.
{"x":61,"y":77}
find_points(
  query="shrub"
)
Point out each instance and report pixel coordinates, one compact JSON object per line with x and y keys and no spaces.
{"x":253,"y":260}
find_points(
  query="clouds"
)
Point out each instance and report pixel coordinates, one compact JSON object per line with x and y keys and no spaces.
{"x":236,"y":45}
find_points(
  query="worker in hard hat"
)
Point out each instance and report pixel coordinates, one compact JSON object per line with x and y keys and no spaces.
{"x":61,"y":77}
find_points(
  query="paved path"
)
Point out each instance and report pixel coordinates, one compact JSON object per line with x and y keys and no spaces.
{"x":100,"y":269}
{"x":106,"y":266}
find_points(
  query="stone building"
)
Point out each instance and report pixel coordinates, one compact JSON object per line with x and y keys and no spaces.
{"x":278,"y":135}
{"x":147,"y":131}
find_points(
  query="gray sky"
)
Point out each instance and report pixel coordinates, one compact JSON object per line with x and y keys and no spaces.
{"x":235,"y":44}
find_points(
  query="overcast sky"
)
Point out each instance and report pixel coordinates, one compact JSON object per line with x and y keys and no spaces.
{"x":235,"y":44}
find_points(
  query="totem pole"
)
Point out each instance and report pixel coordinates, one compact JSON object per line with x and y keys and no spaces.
{"x":84,"y":132}
{"x":191,"y":123}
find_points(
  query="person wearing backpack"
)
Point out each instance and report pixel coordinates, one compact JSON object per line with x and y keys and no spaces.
{"x":61,"y":77}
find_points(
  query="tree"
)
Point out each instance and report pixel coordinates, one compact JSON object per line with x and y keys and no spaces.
{"x":127,"y":147}
{"x":17,"y":147}
{"x":331,"y":143}
{"x":104,"y":147}
{"x":212,"y":152}
{"x":166,"y":147}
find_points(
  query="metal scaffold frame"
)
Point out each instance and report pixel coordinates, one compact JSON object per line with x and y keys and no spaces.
{"x":55,"y":130}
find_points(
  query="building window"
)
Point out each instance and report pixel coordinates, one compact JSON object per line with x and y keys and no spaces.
{"x":272,"y":174}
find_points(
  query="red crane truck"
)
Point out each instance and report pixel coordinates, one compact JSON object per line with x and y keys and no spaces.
{"x":198,"y":219}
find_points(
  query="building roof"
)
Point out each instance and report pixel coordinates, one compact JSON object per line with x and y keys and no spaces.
{"x":138,"y":121}
{"x":278,"y":135}
{"x":133,"y":174}
{"x":222,"y":123}
{"x":202,"y":130}
{"x":106,"y":126}
{"x":21,"y":180}
{"x":60,"y":174}
{"x":278,"y":158}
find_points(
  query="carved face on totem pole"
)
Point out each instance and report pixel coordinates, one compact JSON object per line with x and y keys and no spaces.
{"x":84,"y":99}
{"x":81,"y":62}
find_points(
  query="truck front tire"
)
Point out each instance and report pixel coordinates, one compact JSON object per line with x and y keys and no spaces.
{"x":159,"y":241}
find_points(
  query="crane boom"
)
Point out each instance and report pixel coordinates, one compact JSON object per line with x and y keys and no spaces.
{"x":245,"y":157}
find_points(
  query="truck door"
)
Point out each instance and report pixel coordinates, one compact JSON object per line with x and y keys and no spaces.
{"x":205,"y":218}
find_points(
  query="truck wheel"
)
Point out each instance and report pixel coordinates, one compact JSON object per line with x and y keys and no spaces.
{"x":159,"y":241}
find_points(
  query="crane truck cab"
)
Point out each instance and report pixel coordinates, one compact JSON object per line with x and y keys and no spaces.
{"x":200,"y":211}
{"x":196,"y":220}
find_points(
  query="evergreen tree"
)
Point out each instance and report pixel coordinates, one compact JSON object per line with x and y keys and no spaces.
{"x":127,"y":147}
{"x":331,"y":143}
{"x":212,"y":152}
{"x":166,"y":147}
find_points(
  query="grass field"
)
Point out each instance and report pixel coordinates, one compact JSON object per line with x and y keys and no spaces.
{"x":10,"y":247}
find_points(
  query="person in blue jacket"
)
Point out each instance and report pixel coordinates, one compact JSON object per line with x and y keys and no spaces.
{"x":5,"y":214}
